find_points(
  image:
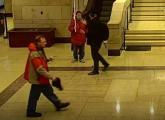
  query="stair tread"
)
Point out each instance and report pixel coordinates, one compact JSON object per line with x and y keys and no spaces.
{"x":149,"y":18}
{"x":149,"y":4}
{"x":149,"y":1}
{"x":149,"y":8}
{"x":144,"y":42}
{"x":145,"y":32}
{"x":134,"y":40}
{"x":145,"y":13}
{"x":161,"y":34}
{"x":148,"y":33}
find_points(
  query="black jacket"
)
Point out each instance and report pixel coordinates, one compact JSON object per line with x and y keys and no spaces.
{"x":94,"y":35}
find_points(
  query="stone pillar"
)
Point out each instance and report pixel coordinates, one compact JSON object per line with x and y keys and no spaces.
{"x":8,"y":6}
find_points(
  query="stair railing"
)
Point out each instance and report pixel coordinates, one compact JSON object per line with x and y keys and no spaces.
{"x":127,"y":20}
{"x":133,"y":1}
{"x":119,"y":24}
{"x":131,"y":9}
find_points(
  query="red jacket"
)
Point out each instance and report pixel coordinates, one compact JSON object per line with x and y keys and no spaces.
{"x":36,"y":59}
{"x":77,"y":38}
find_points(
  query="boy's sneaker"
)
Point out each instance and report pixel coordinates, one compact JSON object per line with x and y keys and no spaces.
{"x":82,"y":61}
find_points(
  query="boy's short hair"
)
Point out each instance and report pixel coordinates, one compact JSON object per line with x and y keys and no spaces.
{"x":78,"y":12}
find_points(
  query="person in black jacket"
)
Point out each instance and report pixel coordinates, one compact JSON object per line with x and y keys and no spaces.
{"x":95,"y":39}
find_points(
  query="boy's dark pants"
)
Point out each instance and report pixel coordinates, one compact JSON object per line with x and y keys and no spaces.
{"x":78,"y":52}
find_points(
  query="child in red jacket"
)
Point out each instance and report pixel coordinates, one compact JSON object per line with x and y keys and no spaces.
{"x":78,"y":37}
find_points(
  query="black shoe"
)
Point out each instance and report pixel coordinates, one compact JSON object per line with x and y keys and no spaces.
{"x":93,"y":73}
{"x":60,"y":105}
{"x":57,"y":83}
{"x":105,"y":68}
{"x":33,"y":114}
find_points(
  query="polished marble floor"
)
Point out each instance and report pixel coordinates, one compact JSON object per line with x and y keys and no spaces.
{"x":112,"y":95}
{"x":147,"y":25}
{"x":132,"y":93}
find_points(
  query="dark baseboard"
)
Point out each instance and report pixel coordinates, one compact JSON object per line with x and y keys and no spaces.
{"x":62,"y":40}
{"x":114,"y":52}
{"x":8,"y":14}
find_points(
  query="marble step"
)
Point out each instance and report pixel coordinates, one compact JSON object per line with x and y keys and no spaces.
{"x":149,"y":9}
{"x":105,"y":13}
{"x":145,"y":42}
{"x":106,"y":8}
{"x":149,"y":13}
{"x":145,"y":36}
{"x":148,"y":18}
{"x":149,"y":4}
{"x":107,"y":3}
{"x":152,"y":32}
{"x":154,"y":1}
{"x":104,"y":18}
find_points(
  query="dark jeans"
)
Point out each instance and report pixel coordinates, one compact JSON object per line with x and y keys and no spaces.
{"x":78,"y":52}
{"x":35,"y":93}
{"x":97,"y":57}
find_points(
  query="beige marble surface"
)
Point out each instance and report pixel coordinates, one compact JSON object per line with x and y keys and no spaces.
{"x":111,"y":95}
{"x":93,"y":98}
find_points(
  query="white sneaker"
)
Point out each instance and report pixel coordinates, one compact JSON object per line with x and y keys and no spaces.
{"x":82,"y":61}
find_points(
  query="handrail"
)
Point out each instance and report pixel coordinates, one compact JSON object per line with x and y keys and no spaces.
{"x":131,"y":6}
{"x":129,"y":19}
{"x":133,"y":1}
{"x":118,"y":24}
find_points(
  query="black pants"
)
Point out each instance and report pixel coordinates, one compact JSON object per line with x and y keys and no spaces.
{"x":35,"y":93}
{"x":97,"y":57}
{"x":78,"y":52}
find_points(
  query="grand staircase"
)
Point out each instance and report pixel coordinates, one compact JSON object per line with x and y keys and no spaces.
{"x":148,"y":24}
{"x":102,"y":7}
{"x":106,"y":9}
{"x":149,"y":10}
